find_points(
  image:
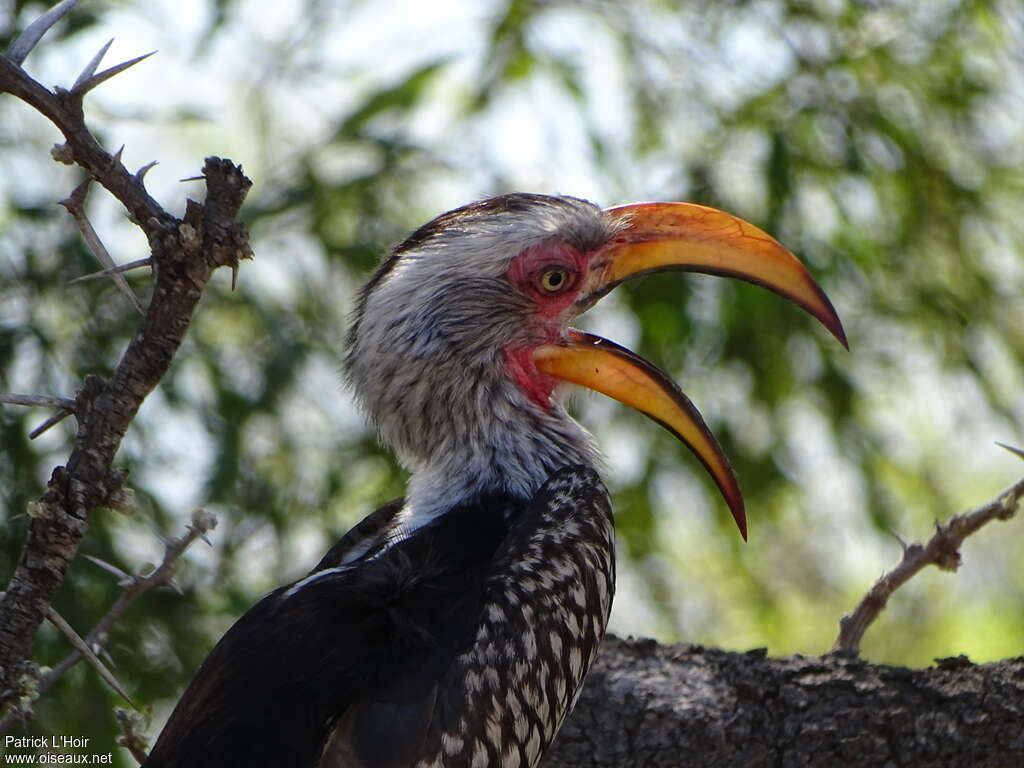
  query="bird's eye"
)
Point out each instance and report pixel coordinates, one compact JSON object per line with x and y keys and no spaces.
{"x":555,"y":279}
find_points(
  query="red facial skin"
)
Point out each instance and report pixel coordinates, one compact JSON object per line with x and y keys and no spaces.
{"x":525,"y":275}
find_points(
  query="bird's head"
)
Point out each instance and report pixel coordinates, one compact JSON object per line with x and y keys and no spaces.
{"x":461,"y":338}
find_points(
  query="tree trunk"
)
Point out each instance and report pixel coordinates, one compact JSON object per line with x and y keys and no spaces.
{"x":646,"y":704}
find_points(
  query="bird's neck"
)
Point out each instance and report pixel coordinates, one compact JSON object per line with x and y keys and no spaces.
{"x":515,"y":460}
{"x":463,"y":437}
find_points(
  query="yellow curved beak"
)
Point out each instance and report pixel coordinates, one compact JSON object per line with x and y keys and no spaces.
{"x":612,"y":370}
{"x":658,"y":237}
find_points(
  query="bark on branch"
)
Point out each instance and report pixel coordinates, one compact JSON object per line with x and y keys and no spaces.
{"x":184,"y":253}
{"x":942,"y":550}
{"x":658,"y":706}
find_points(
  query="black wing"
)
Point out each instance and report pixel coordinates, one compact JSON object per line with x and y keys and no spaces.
{"x":356,"y":665}
{"x":349,"y":644}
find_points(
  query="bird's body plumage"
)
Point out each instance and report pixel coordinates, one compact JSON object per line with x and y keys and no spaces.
{"x":440,"y":650}
{"x":454,"y":628}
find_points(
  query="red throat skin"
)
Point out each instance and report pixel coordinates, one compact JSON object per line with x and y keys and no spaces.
{"x":524,"y":373}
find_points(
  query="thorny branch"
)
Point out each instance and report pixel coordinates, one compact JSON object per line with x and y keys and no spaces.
{"x":133,"y":588}
{"x":184,"y":254}
{"x":942,"y":550}
{"x":202,"y":523}
{"x":64,"y":109}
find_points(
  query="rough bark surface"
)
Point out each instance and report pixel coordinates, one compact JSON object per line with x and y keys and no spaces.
{"x":185,"y":253}
{"x":651,"y":705}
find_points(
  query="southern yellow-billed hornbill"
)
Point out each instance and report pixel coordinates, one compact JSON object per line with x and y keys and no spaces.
{"x":454,"y":627}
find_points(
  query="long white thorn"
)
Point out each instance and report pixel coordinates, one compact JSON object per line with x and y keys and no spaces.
{"x":82,"y":87}
{"x":64,"y":406}
{"x":90,"y":68}
{"x":116,"y":270}
{"x":53,"y":421}
{"x":27,"y":40}
{"x":110,"y":568}
{"x":75,"y":203}
{"x":47,"y":401}
{"x":1015,"y":451}
{"x":83,"y":648}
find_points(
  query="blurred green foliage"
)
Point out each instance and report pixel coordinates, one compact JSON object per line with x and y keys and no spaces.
{"x":883,"y":142}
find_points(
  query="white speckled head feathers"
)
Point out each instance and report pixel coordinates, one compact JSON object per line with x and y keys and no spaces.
{"x":425,"y":352}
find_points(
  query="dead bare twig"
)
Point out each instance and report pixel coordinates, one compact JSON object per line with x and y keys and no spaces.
{"x":941,"y":550}
{"x":131,"y":738}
